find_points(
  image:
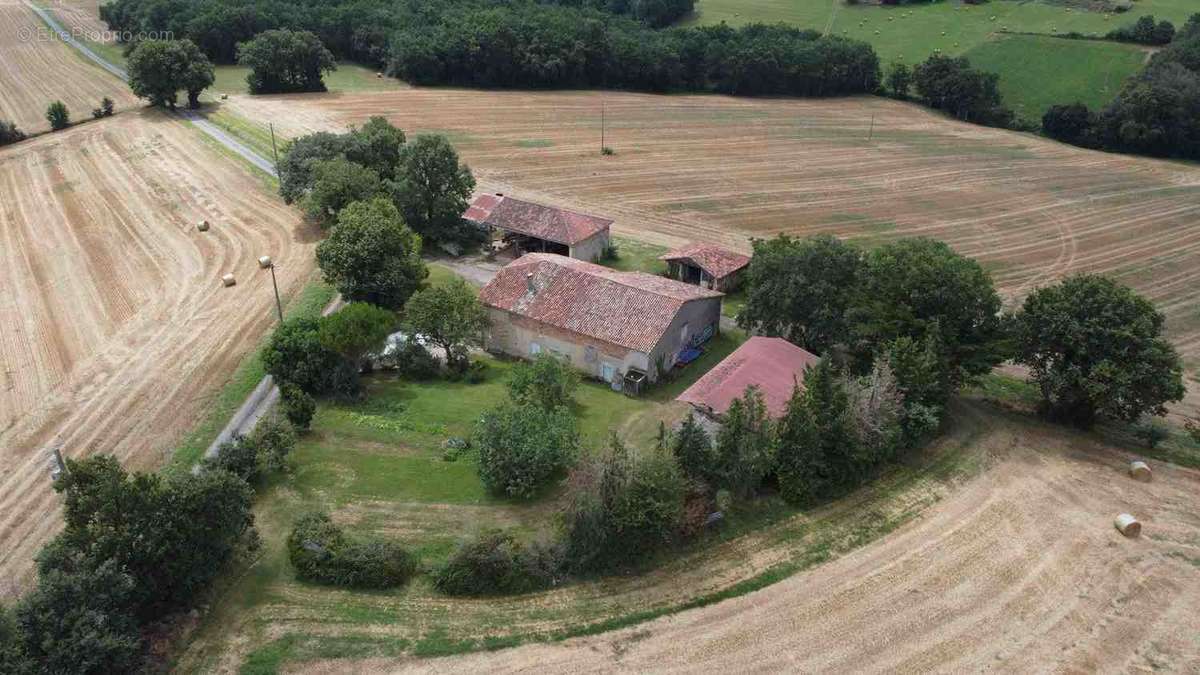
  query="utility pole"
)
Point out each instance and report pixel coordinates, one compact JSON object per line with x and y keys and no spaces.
{"x":871,"y":133}
{"x":275,"y":153}
{"x":265,"y":262}
{"x":602,"y":111}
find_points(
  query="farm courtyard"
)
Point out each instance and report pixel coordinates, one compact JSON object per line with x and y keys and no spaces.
{"x":723,"y":170}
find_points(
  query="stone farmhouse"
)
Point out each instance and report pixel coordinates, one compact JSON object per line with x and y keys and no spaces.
{"x":621,"y":327}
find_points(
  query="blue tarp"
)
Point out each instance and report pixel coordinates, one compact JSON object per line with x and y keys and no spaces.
{"x":687,"y":356}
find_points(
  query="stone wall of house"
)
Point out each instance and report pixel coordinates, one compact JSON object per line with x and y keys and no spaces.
{"x":517,"y":336}
{"x":592,"y":248}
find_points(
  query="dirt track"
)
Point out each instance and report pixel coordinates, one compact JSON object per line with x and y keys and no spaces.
{"x":115,"y":331}
{"x":1021,"y":570}
{"x":36,"y":70}
{"x":725,"y":169}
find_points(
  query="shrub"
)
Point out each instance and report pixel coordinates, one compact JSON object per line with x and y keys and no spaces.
{"x":321,"y":553}
{"x":1144,"y":31}
{"x":274,"y":440}
{"x":295,"y":355}
{"x":522,"y":447}
{"x":899,"y":80}
{"x":58,"y":116}
{"x":1193,"y":429}
{"x":1072,"y":123}
{"x":547,"y":381}
{"x":415,"y":362}
{"x":239,"y":457}
{"x":298,"y":406}
{"x":9,"y":133}
{"x":693,"y":450}
{"x":1152,"y":432}
{"x":744,"y":445}
{"x":106,"y":107}
{"x":622,"y":508}
{"x":496,"y":563}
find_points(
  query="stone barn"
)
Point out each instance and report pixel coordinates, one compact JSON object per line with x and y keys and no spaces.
{"x":611,"y":325}
{"x":535,"y":228}
{"x":706,"y":265}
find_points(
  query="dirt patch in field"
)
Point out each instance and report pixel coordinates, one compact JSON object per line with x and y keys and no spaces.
{"x":115,"y":331}
{"x":1020,"y":570}
{"x":726,"y":169}
{"x":37,"y":69}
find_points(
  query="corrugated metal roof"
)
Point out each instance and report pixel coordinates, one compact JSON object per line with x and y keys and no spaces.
{"x":775,"y":365}
{"x":716,"y":261}
{"x":535,"y":220}
{"x":628,"y":309}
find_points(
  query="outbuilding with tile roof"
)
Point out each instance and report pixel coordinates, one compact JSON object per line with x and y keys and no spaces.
{"x":772,"y":364}
{"x":538,"y":228}
{"x":605,"y":322}
{"x":706,"y":265}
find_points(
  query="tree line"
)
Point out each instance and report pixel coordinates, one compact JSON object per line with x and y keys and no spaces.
{"x":1157,"y":111}
{"x":524,"y":43}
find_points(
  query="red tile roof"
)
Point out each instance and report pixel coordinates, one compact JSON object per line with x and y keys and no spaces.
{"x":628,"y":309}
{"x":535,"y":220}
{"x":774,"y":364}
{"x":716,"y":261}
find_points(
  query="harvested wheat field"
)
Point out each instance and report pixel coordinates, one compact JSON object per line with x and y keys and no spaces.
{"x":115,"y":331}
{"x":36,"y":69}
{"x":1019,"y":570}
{"x":82,"y":17}
{"x":725,"y":169}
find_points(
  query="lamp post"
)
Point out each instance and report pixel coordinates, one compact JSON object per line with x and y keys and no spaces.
{"x":265,"y":262}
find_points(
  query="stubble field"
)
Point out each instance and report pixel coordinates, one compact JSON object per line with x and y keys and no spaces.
{"x":724,"y":170}
{"x":37,"y":69}
{"x":115,"y":331}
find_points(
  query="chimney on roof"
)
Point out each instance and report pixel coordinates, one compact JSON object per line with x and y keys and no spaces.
{"x":529,"y":283}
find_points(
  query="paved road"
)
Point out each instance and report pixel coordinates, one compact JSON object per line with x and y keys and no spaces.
{"x":65,"y":36}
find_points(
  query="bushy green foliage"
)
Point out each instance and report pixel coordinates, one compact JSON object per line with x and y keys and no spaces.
{"x":497,"y":563}
{"x":372,"y":256}
{"x":744,"y":447}
{"x":321,"y":553}
{"x":693,"y":450}
{"x":285,"y":61}
{"x":274,"y":439}
{"x":357,"y":329}
{"x":159,"y":69}
{"x":57,"y":116}
{"x":899,"y":79}
{"x":1152,"y":432}
{"x":920,"y":287}
{"x":1096,"y":350}
{"x":105,"y":109}
{"x":337,"y":183}
{"x":375,"y":145}
{"x":297,"y":405}
{"x":523,"y":447}
{"x":1071,"y":123}
{"x":414,"y":361}
{"x":817,"y":446}
{"x":801,"y":290}
{"x":546,"y":381}
{"x":295,"y":355}
{"x":1145,"y":31}
{"x":78,"y":620}
{"x":433,"y":189}
{"x":239,"y":457}
{"x":952,"y":85}
{"x":451,"y":317}
{"x":622,"y":507}
{"x":9,"y":133}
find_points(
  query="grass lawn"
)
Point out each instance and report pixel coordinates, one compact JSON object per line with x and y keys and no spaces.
{"x":911,"y":33}
{"x":348,"y":77}
{"x":637,"y":256}
{"x":1080,"y":70}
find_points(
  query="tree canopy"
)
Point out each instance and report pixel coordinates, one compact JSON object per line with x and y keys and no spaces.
{"x":523,"y":446}
{"x":283,"y":61}
{"x":159,"y":69}
{"x":372,"y":256}
{"x":450,"y":316}
{"x":1095,"y":349}
{"x":433,"y":189}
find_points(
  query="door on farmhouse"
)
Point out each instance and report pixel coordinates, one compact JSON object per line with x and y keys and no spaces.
{"x":608,"y":372}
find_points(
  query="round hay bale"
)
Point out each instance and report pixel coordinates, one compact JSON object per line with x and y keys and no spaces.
{"x":264,"y":262}
{"x":379,"y":75}
{"x":202,"y":226}
{"x":1141,"y":471}
{"x":1128,"y":525}
{"x":228,"y":280}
